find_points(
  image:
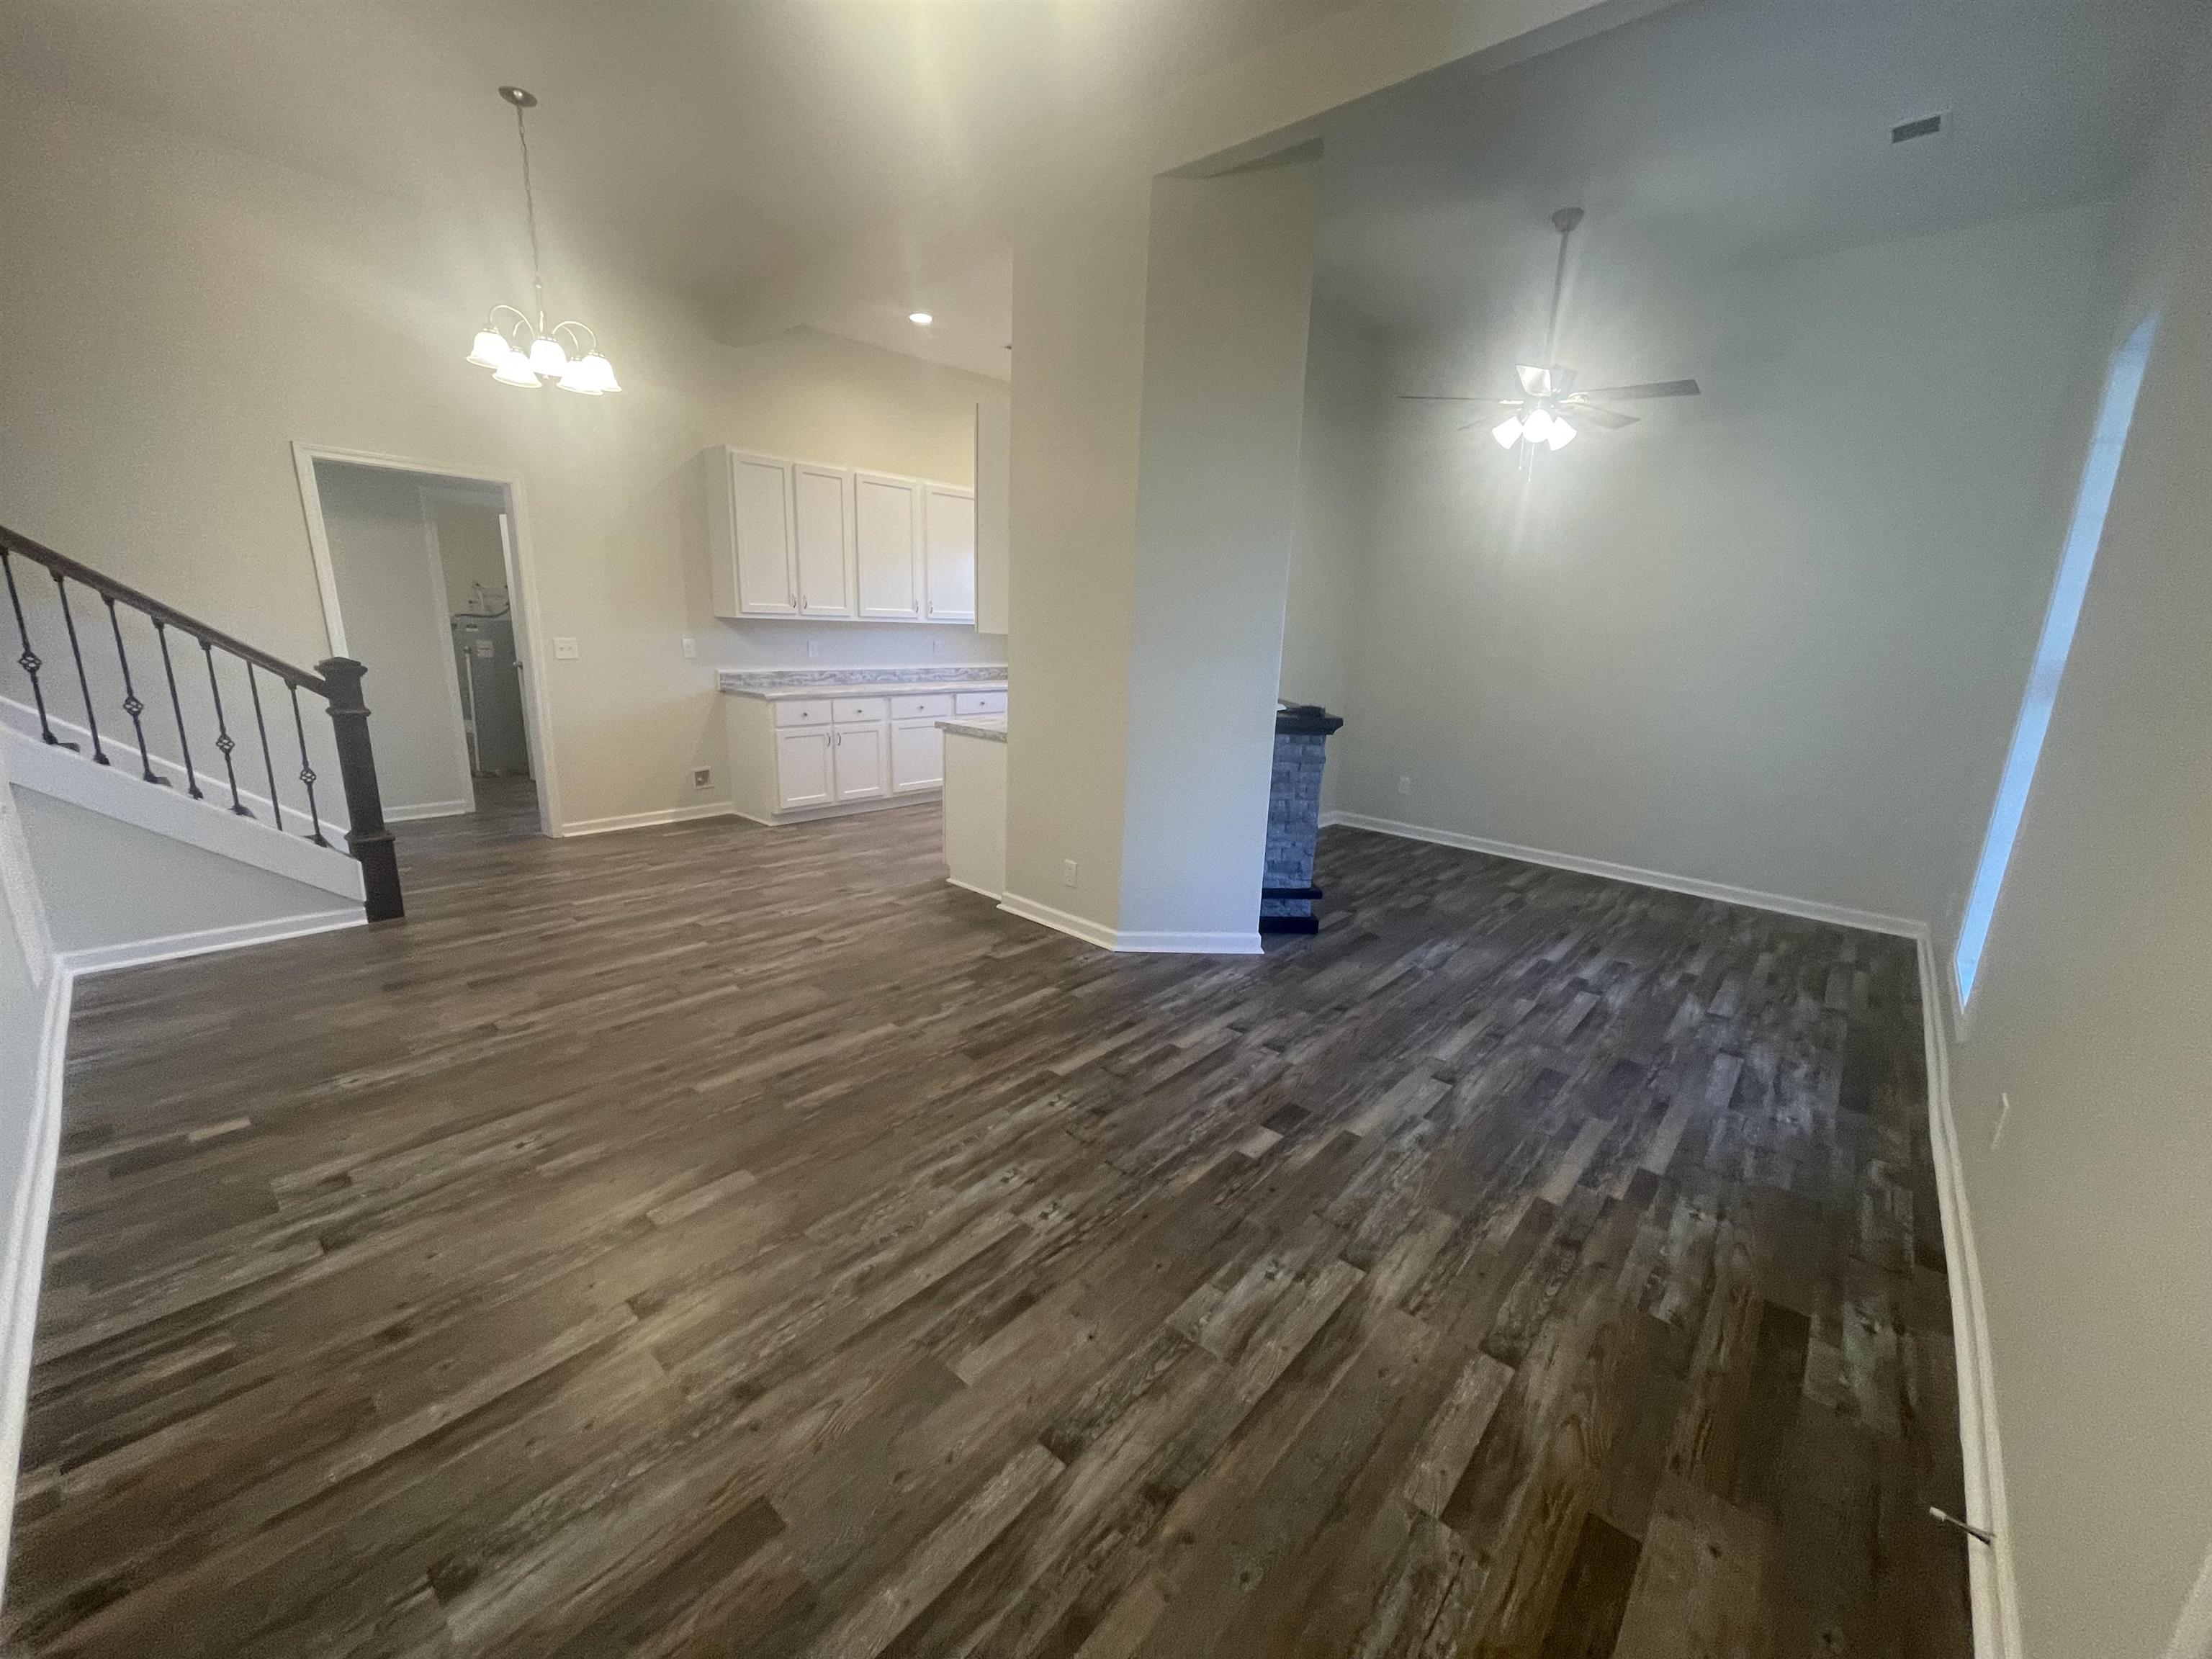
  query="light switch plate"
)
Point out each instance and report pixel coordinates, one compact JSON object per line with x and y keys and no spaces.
{"x":564,"y":647}
{"x":690,"y":645}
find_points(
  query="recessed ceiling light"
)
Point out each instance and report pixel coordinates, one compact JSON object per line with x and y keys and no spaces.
{"x":922,"y":318}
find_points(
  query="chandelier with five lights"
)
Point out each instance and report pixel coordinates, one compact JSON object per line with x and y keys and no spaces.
{"x":516,"y":346}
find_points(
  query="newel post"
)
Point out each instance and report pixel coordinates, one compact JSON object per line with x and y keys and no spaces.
{"x":368,"y":839}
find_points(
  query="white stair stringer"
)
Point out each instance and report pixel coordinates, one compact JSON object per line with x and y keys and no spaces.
{"x":117,"y":791}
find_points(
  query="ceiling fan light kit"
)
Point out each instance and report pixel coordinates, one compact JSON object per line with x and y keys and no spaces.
{"x":517,"y":347}
{"x":1537,"y":417}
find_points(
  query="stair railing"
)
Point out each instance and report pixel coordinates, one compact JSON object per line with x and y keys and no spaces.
{"x":337,"y":681}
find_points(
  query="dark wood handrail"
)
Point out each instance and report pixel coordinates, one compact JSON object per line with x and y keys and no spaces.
{"x":123,"y":592}
{"x":336,"y":680}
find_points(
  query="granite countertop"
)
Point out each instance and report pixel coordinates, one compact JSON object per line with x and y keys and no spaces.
{"x":991,"y":728}
{"x":779,"y":685}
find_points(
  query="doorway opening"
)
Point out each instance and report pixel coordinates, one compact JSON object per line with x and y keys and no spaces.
{"x":423,"y":581}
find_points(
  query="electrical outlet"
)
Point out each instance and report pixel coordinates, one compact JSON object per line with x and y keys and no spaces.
{"x":1067,"y":873}
{"x":2004,"y":1111}
{"x":813,"y":649}
{"x":936,"y":647}
{"x":702,"y":777}
{"x":564,"y":647}
{"x":1405,"y":786}
{"x":690,"y":645}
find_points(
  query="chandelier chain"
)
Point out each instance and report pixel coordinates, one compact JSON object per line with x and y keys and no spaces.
{"x":529,"y":212}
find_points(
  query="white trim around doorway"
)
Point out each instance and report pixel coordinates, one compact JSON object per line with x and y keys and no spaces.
{"x":531,"y":640}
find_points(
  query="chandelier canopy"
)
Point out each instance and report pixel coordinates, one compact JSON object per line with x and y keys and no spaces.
{"x":515,"y":345}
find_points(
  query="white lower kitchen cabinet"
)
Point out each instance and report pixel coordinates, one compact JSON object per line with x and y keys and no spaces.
{"x":793,"y":758}
{"x":802,"y":770}
{"x":860,"y":762}
{"x":917,"y":756}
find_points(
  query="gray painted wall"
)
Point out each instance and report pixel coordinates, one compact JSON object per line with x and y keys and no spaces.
{"x":108,"y":883}
{"x":1764,"y":638}
{"x":2093,"y":1010}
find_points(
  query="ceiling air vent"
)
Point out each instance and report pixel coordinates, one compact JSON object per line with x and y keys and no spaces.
{"x":1926,"y":127}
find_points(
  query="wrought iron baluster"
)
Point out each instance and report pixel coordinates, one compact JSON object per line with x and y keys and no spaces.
{"x":224,"y":742}
{"x":84,"y":685}
{"x":131,"y":705}
{"x":307,"y":772}
{"x":276,"y":803}
{"x":169,"y":668}
{"x":30,"y":661}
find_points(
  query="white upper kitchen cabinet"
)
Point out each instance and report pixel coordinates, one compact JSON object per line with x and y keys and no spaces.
{"x":749,"y":535}
{"x":887,"y":541}
{"x":994,"y":504}
{"x":948,"y":515}
{"x":822,"y":538}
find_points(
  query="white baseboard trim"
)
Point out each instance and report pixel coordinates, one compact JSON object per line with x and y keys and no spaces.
{"x":105,"y":958}
{"x":24,"y":1264}
{"x":1108,"y":938}
{"x":1190,"y":944}
{"x":1065,"y":922}
{"x":428,"y":809}
{"x":847,"y":809}
{"x":1993,"y":1589}
{"x":1811,"y":909}
{"x":970,"y":887}
{"x":713,"y":809}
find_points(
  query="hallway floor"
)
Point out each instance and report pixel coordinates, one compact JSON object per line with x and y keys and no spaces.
{"x":717,"y":1240}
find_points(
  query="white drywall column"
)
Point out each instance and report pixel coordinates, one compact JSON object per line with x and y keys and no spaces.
{"x":1160,"y":330}
{"x":1079,"y":255}
{"x":1226,"y":305}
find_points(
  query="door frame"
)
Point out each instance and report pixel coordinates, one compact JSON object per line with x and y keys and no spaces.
{"x":523,"y":598}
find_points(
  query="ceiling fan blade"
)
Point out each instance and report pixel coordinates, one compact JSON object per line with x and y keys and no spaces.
{"x":1649,"y":389}
{"x":1449,"y":397}
{"x":1610,"y":418}
{"x":1534,"y":381}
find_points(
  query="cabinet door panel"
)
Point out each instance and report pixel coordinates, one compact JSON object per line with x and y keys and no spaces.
{"x":949,"y":563}
{"x":821,"y":521}
{"x":857,"y":761}
{"x":759,"y":494}
{"x":887,"y":525}
{"x":917,"y":756}
{"x":802,"y":769}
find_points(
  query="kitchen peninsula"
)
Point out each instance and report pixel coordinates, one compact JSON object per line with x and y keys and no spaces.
{"x":807,"y":743}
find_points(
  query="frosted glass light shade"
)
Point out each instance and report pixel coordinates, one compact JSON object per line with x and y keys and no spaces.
{"x":546,"y":357}
{"x":1561,"y":434}
{"x":1536,"y":426}
{"x":599,"y":374}
{"x":489,"y":348}
{"x":514,"y":370}
{"x":578,"y":376}
{"x":1507,"y":432}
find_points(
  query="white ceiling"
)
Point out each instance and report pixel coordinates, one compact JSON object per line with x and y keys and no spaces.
{"x":704,"y":145}
{"x":1719,"y":131}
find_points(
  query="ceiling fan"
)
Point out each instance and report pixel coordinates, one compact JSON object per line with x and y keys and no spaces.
{"x":1541,"y":414}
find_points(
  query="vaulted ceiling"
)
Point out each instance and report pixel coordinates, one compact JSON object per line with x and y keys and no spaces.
{"x":703,"y":145}
{"x":1715,"y":133}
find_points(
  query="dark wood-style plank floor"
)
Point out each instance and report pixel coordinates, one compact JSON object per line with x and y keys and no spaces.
{"x":726,"y":1240}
